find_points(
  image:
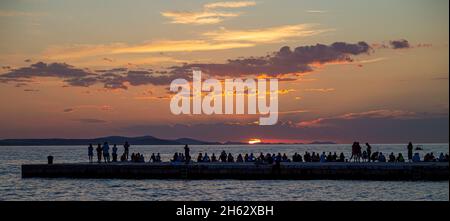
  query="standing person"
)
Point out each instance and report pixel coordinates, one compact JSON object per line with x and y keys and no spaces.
{"x":90,"y":153}
{"x":410,"y":151}
{"x":126,"y":149}
{"x":369,"y":151}
{"x":105,"y":150}
{"x":186,"y":153}
{"x":358,"y":151}
{"x":353,"y":156}
{"x":114,"y":153}
{"x":99,"y":153}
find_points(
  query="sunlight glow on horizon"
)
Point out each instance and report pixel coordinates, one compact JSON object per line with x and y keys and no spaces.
{"x":254,"y":141}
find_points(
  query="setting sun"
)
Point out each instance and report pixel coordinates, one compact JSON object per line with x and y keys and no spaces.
{"x":254,"y":141}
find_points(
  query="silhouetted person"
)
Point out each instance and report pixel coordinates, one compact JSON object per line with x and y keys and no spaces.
{"x":381,"y":157}
{"x":239,"y":159}
{"x":186,"y":153}
{"x":99,"y":153}
{"x":200,"y":158}
{"x":126,"y":149}
{"x":206,"y":158}
{"x":368,"y":150}
{"x":323,"y":158}
{"x":90,"y":153}
{"x":416,"y":158}
{"x":223,"y":157}
{"x":105,"y":150}
{"x":374,"y":156}
{"x":410,"y":151}
{"x":158,"y":158}
{"x":391,"y":157}
{"x":114,"y":153}
{"x":175,"y":157}
{"x":400,"y":158}
{"x":341,"y":157}
{"x":213,"y":158}
{"x":123,"y":158}
{"x":329,"y":157}
{"x":230,"y":158}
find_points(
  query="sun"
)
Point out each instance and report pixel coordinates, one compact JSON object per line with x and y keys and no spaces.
{"x":254,"y":141}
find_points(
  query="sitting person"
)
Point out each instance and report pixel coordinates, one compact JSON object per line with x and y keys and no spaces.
{"x":391,"y":158}
{"x":341,"y":157}
{"x":152,"y":158}
{"x":284,"y":158}
{"x":400,"y":158}
{"x":365,"y":157}
{"x":200,"y":158}
{"x":374,"y":157}
{"x":123,"y":158}
{"x":381,"y":157}
{"x":268,"y":158}
{"x":329,"y":157}
{"x":307,"y":157}
{"x":158,"y":158}
{"x":206,"y":158}
{"x":230,"y":158}
{"x":416,"y":158}
{"x":223,"y":157}
{"x":441,"y":158}
{"x":213,"y":158}
{"x":251,"y":158}
{"x":239,"y":159}
{"x":246,"y":157}
{"x":175,"y":157}
{"x":323,"y":158}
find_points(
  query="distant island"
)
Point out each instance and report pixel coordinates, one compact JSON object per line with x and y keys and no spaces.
{"x":142,"y":140}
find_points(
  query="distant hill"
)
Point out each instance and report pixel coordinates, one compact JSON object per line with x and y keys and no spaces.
{"x":190,"y":141}
{"x":234,"y":143}
{"x":144,"y":140}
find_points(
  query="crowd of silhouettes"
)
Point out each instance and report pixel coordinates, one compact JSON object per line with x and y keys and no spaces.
{"x":103,"y":153}
{"x":357,"y":155}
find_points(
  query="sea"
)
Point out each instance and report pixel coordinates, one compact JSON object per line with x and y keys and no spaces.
{"x":14,"y":188}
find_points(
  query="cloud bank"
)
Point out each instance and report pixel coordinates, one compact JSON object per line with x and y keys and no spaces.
{"x":283,"y":64}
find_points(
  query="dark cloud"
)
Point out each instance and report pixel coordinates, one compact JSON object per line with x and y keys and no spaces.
{"x":31,"y":90}
{"x":68,"y":110}
{"x":21,"y":84}
{"x":27,"y":60}
{"x":108,"y":59}
{"x":285,"y":61}
{"x":400,"y":44}
{"x":113,"y":70}
{"x":41,"y":69}
{"x":90,"y":121}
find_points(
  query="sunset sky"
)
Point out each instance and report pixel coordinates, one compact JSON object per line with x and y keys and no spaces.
{"x":373,"y":71}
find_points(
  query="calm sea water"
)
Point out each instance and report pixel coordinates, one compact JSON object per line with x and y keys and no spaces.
{"x":12,"y":187}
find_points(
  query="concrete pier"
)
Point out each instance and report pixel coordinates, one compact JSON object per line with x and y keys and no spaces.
{"x":243,"y":171}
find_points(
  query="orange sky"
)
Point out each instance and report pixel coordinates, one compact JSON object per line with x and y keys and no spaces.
{"x":106,"y":67}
